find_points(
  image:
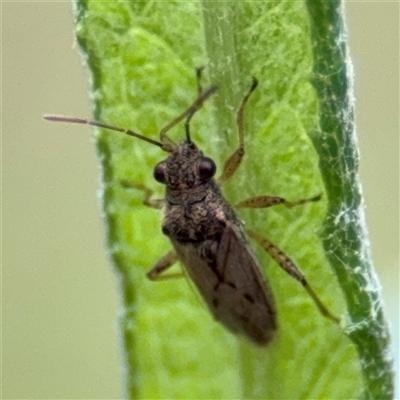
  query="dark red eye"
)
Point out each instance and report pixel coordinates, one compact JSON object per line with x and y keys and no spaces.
{"x":206,"y":168}
{"x":159,"y":172}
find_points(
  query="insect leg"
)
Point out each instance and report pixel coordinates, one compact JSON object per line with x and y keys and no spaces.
{"x":156,"y":272}
{"x":233,"y":162}
{"x":269,"y":201}
{"x":291,"y":268}
{"x":148,"y":201}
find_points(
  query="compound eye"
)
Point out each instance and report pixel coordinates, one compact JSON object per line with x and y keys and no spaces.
{"x":206,"y":168}
{"x":160,"y":172}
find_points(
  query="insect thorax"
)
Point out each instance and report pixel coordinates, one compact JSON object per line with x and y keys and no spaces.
{"x":196,"y":214}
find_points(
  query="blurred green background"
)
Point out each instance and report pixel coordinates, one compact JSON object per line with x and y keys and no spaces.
{"x":60,"y":296}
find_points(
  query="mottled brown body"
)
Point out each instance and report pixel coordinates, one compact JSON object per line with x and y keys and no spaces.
{"x":206,"y":234}
{"x":210,"y":241}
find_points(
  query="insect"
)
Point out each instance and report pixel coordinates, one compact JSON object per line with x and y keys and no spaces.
{"x":206,"y":234}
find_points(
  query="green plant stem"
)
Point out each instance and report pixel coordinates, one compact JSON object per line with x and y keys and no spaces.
{"x":344,"y":235}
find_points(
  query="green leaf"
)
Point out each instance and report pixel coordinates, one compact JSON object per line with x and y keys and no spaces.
{"x":142,"y":57}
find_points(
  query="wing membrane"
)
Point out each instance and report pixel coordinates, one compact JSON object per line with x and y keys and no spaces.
{"x":233,"y":286}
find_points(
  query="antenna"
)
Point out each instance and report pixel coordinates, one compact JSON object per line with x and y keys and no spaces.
{"x":73,"y":120}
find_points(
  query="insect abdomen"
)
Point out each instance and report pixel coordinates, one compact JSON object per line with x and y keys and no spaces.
{"x":231,"y":285}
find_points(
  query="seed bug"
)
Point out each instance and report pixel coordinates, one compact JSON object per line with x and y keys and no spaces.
{"x":206,"y":234}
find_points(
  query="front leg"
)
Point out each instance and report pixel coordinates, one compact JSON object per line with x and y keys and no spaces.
{"x":233,"y":162}
{"x":148,"y":193}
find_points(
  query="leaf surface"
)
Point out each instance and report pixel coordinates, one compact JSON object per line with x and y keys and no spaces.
{"x":142,"y":57}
